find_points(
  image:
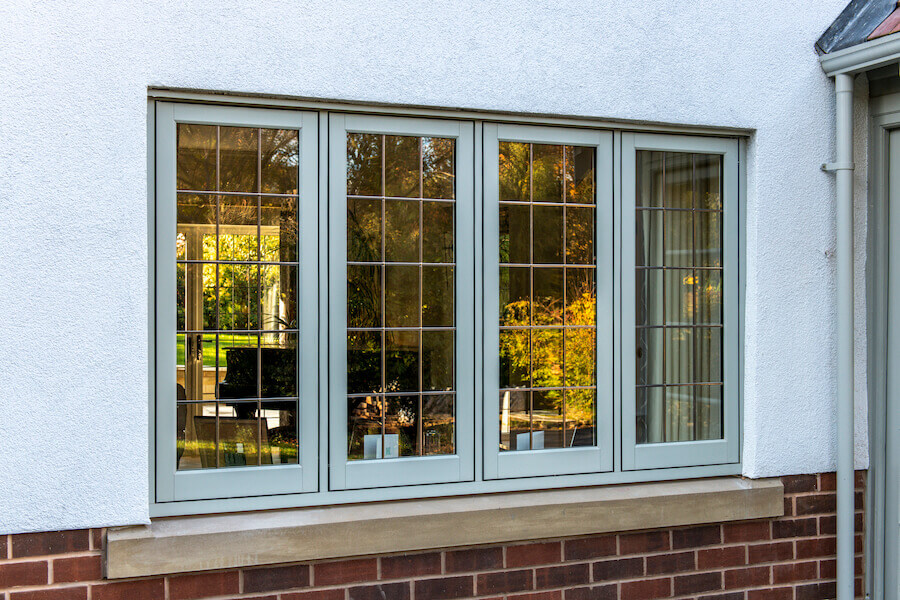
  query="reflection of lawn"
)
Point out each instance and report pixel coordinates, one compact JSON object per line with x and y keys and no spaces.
{"x":209,"y":347}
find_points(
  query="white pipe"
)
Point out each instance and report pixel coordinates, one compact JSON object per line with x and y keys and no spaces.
{"x":843,"y":87}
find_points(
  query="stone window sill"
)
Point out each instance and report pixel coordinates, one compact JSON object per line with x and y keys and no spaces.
{"x":181,"y":544}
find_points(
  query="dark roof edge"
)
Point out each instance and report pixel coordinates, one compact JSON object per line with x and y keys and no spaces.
{"x":854,"y":24}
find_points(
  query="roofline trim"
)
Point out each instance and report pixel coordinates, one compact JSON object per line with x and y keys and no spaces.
{"x":862,"y":57}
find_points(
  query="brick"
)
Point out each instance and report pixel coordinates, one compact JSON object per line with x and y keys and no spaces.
{"x":24,"y":573}
{"x":788,"y":528}
{"x":828,"y":524}
{"x":69,"y":593}
{"x":753,"y":576}
{"x":788,"y":506}
{"x":592,"y":547}
{"x":778,"y":551}
{"x":394,"y":591}
{"x":816,"y":547}
{"x":670,"y":563}
{"x":138,"y":589}
{"x":816,"y":504}
{"x":781,"y":593}
{"x":333,"y":594}
{"x":622,"y":568}
{"x":204,"y":585}
{"x":698,"y":582}
{"x":446,"y":587}
{"x":695,"y":537}
{"x":345,"y":571}
{"x":828,"y":481}
{"x":474,"y":559}
{"x":598,"y":592}
{"x":526,"y":555}
{"x":505,"y":582}
{"x":794,"y":484}
{"x":78,"y":568}
{"x":647,"y":541}
{"x":828,"y":568}
{"x":747,"y":531}
{"x":792,"y":572}
{"x":50,"y":542}
{"x":4,"y":544}
{"x":647,"y":589}
{"x":97,"y":537}
{"x":729,"y":556}
{"x":816,"y":591}
{"x":411,"y":565}
{"x":725,"y":596}
{"x":552,"y":595}
{"x":562,"y":576}
{"x":270,"y":579}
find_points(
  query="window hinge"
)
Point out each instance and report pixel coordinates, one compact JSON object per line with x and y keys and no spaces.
{"x":837,"y":166}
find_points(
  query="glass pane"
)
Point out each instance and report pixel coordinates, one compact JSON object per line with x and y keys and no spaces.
{"x":364,"y":229}
{"x":649,"y":305}
{"x":438,"y":167}
{"x":195,"y":436}
{"x":238,"y":434}
{"x":515,"y":358}
{"x":279,"y":432}
{"x":280,"y":161}
{"x":579,"y":174}
{"x":239,"y":359}
{"x":708,"y":399}
{"x":195,"y":237}
{"x":515,"y":296}
{"x":364,"y":417}
{"x":547,"y":358}
{"x":547,"y":173}
{"x":649,"y":238}
{"x":679,"y":415}
{"x":678,"y":181}
{"x":401,"y":426}
{"x":708,"y":181}
{"x":650,"y":359}
{"x":709,"y":296}
{"x":278,"y":296}
{"x":363,"y":296}
{"x":580,"y":418}
{"x":238,"y":232}
{"x":438,"y":424}
{"x":650,"y":167}
{"x":195,"y":368}
{"x":364,"y":164}
{"x":238,"y":296}
{"x":547,"y":419}
{"x":401,"y":231}
{"x":363,"y":362}
{"x":278,"y":359}
{"x":515,"y":177}
{"x":238,"y":159}
{"x":196,"y":158}
{"x":401,"y":161}
{"x":437,"y":232}
{"x":280,"y":229}
{"x":515,"y":234}
{"x":581,"y":297}
{"x":401,"y":296}
{"x":581,"y":357}
{"x":515,"y":420}
{"x":708,"y":230}
{"x":649,"y":421}
{"x":401,"y":361}
{"x":709,"y":354}
{"x":195,"y":295}
{"x":548,"y":296}
{"x":438,"y":350}
{"x":437,"y":297}
{"x":679,"y":357}
{"x":548,"y":235}
{"x":679,"y":238}
{"x":679,"y":296}
{"x":580,"y":236}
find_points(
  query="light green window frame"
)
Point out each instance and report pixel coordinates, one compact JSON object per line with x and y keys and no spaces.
{"x":636,"y":456}
{"x":230,"y":482}
{"x":324,"y":475}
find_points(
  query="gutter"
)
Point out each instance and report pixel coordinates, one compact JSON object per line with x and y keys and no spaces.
{"x":862,"y":57}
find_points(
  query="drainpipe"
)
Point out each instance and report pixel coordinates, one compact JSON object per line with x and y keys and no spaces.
{"x":843,"y":168}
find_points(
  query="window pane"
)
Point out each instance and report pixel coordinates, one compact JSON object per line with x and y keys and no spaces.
{"x":679,"y":300}
{"x":408,"y":352}
{"x":552,"y":306}
{"x":246,"y":308}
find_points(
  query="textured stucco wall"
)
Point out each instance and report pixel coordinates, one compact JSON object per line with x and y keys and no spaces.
{"x":73,"y":218}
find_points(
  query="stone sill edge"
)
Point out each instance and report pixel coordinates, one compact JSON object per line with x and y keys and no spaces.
{"x":198,"y":543}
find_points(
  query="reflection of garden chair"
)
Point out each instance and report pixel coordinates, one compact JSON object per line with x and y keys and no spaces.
{"x":279,"y":368}
{"x":237,"y":439}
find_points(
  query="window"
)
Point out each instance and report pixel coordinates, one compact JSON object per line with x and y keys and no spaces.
{"x":355,"y":307}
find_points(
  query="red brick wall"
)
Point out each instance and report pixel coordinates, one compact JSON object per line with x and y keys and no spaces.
{"x":791,"y":557}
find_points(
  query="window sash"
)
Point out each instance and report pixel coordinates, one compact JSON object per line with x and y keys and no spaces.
{"x":687,"y":453}
{"x":200,"y":484}
{"x":411,"y":470}
{"x":560,"y":461}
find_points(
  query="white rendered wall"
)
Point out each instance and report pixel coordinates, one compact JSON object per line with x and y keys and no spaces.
{"x":73,"y":207}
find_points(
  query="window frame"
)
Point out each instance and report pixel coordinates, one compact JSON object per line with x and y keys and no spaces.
{"x":205,"y":484}
{"x":690,"y":453}
{"x":557,"y":461}
{"x":320,"y":494}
